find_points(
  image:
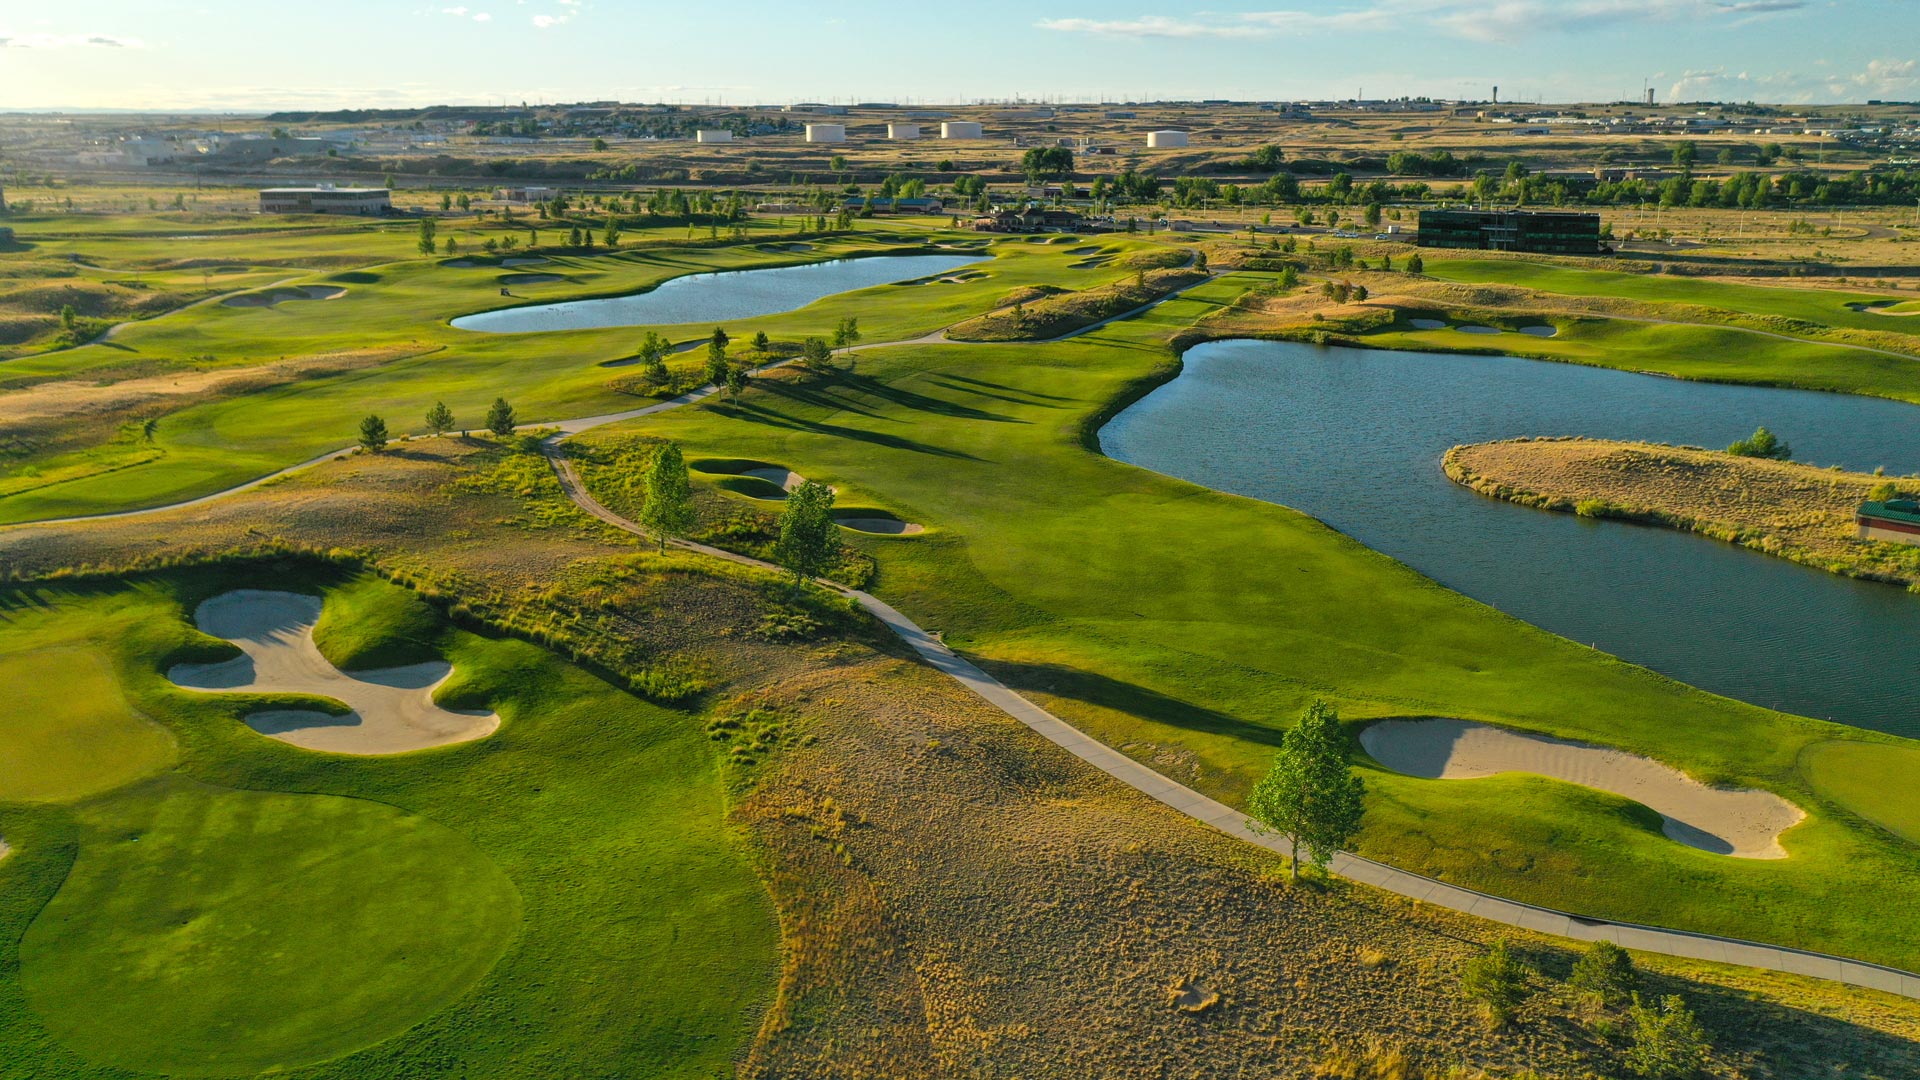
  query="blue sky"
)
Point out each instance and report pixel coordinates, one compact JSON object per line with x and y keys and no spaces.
{"x":163,"y":54}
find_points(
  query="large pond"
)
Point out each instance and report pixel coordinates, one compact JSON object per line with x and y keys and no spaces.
{"x":718,"y":297}
{"x":1354,"y":437}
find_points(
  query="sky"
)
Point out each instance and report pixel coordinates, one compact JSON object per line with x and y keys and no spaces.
{"x":259,"y":55}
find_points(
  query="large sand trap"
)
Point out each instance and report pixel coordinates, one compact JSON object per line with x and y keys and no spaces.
{"x":1743,"y":823}
{"x":282,"y":295}
{"x":786,"y":479}
{"x":393,"y":709}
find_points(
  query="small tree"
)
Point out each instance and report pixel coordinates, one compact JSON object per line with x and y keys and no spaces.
{"x":719,"y":337}
{"x":440,"y":418}
{"x":806,"y":544}
{"x":373,"y":434}
{"x":1416,"y":264}
{"x":847,"y":333}
{"x":667,"y":504}
{"x":69,"y":318}
{"x":653,"y":355}
{"x":1762,"y":444}
{"x":815,"y":355}
{"x":500,"y":419}
{"x":717,"y":366}
{"x":1668,"y":1043}
{"x":427,"y":229}
{"x":761,"y":342}
{"x":1310,"y":795}
{"x":736,"y":382}
{"x":1498,"y":981}
{"x":149,"y":428}
{"x":1604,"y":973}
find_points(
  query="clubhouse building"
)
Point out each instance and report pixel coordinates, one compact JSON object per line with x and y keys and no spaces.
{"x":1896,"y":521}
{"x":326,"y":199}
{"x":1541,"y":232}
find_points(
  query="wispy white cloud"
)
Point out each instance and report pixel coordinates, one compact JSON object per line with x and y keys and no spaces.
{"x":481,"y":16}
{"x":69,"y":41}
{"x":542,"y":22}
{"x":1474,"y":20}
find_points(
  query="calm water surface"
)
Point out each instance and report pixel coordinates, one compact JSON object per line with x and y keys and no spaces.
{"x":1354,"y":437}
{"x":717,"y":297}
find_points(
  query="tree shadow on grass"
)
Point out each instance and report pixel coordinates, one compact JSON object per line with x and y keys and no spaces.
{"x":815,"y":391}
{"x":760,"y":414}
{"x":951,"y":382}
{"x":1110,"y":693}
{"x":1003,"y":386}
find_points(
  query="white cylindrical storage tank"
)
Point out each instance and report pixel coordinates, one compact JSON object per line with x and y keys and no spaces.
{"x":959,"y":129}
{"x":1166,"y":139}
{"x":903,"y":131}
{"x":826,"y":133}
{"x":713,"y":136}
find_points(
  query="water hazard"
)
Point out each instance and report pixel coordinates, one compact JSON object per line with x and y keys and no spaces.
{"x":718,"y":297}
{"x":1354,"y":437}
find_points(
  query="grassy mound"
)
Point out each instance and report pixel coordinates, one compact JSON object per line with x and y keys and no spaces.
{"x":1050,"y":316}
{"x":368,"y":624}
{"x":208,"y":931}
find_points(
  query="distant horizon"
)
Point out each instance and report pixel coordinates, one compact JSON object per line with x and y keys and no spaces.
{"x":199,"y":56}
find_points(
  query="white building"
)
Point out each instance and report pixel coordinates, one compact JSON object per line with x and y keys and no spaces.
{"x":527,"y":194}
{"x":903,"y":131}
{"x":326,"y":199}
{"x":959,"y":129}
{"x":718,"y":135}
{"x":1164,"y":140}
{"x":826,"y":133}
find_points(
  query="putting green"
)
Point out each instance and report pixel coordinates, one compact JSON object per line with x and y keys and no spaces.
{"x":207,"y":931}
{"x":66,"y":730}
{"x":1873,"y":780}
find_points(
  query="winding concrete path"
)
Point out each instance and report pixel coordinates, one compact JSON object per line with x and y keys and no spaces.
{"x":1225,"y":818}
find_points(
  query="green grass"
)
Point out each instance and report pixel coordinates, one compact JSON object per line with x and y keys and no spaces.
{"x":1189,"y":626}
{"x":205,"y":931}
{"x":209,"y":446}
{"x":66,"y":730}
{"x":369,"y":624}
{"x":1871,"y":780}
{"x":1824,"y":306}
{"x":258,"y":905}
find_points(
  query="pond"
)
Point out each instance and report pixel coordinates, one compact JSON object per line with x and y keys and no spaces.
{"x":717,"y":297}
{"x":1355,"y":437}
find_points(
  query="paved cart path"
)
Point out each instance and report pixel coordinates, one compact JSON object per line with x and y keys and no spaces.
{"x":1225,"y":818}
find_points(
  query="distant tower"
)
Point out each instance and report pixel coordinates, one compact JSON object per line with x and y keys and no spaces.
{"x":1649,"y":97}
{"x":1496,"y":95}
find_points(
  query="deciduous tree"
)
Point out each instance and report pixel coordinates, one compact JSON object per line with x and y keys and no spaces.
{"x":807,"y":544}
{"x":1310,"y":795}
{"x":667,"y":503}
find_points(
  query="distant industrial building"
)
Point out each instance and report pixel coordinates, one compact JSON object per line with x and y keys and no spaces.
{"x":818,"y":109}
{"x":903,"y":131}
{"x":526,"y":194}
{"x":1546,"y":233}
{"x":1165,"y":140}
{"x":826,"y":133}
{"x":1896,"y":521}
{"x":366,"y":202}
{"x":1032,"y":219}
{"x":959,"y":129}
{"x":717,"y":135}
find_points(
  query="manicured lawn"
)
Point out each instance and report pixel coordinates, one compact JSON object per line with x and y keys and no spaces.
{"x":1825,"y":306}
{"x":1874,"y":781}
{"x":1188,"y":627}
{"x":66,"y":730}
{"x":402,"y":309}
{"x":564,"y":897}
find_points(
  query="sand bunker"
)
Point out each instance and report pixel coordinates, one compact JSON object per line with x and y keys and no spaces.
{"x":527,"y":279}
{"x":280,"y":296}
{"x":464,"y":264}
{"x":1895,"y":308}
{"x":393,"y":709}
{"x":1541,"y":331}
{"x":1743,"y":823}
{"x":1477,"y":329}
{"x":881,"y":525}
{"x":6,"y":849}
{"x":1428,"y":324}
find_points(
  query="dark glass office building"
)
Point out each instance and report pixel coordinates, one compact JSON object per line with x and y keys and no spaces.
{"x":1511,"y":230}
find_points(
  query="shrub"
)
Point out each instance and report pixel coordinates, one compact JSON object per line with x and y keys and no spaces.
{"x":1668,"y":1043}
{"x":1497,"y":980}
{"x":1605,"y":972}
{"x":1884,"y":491}
{"x":1762,"y":444}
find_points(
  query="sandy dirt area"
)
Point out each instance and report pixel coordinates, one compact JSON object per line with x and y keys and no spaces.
{"x":1745,"y":824}
{"x":885,"y":526}
{"x":393,"y":709}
